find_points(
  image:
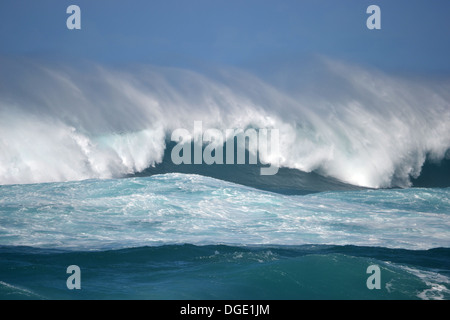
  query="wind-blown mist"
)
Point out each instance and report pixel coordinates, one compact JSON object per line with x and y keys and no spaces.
{"x":360,"y":126}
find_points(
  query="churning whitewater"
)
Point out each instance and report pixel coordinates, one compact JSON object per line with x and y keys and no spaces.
{"x":61,"y":123}
{"x":178,"y":208}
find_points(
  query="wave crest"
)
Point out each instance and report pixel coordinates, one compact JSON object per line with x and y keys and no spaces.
{"x":359,"y":126}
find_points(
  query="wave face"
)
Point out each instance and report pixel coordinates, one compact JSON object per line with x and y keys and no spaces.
{"x":356,"y":126}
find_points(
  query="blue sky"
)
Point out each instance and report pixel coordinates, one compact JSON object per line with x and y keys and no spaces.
{"x":415,"y":34}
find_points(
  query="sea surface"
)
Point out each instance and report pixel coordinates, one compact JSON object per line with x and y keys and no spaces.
{"x":187,"y":236}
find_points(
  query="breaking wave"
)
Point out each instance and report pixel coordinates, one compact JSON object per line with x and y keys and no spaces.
{"x":353,"y":125}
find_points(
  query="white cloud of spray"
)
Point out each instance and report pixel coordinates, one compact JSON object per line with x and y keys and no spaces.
{"x":360,"y":126}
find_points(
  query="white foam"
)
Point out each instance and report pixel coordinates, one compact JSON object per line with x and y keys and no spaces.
{"x":178,"y":208}
{"x":365,"y":127}
{"x":438,"y":284}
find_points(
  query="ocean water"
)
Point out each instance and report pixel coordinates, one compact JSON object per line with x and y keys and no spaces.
{"x":185,"y":236}
{"x":86,"y":179}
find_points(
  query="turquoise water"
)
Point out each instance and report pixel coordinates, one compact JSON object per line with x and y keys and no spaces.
{"x":185,"y":236}
{"x":225,"y":272}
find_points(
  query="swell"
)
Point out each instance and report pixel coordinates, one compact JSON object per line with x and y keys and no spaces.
{"x":351,"y":124}
{"x":225,"y":272}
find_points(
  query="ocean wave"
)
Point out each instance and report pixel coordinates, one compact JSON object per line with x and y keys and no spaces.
{"x":355,"y":125}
